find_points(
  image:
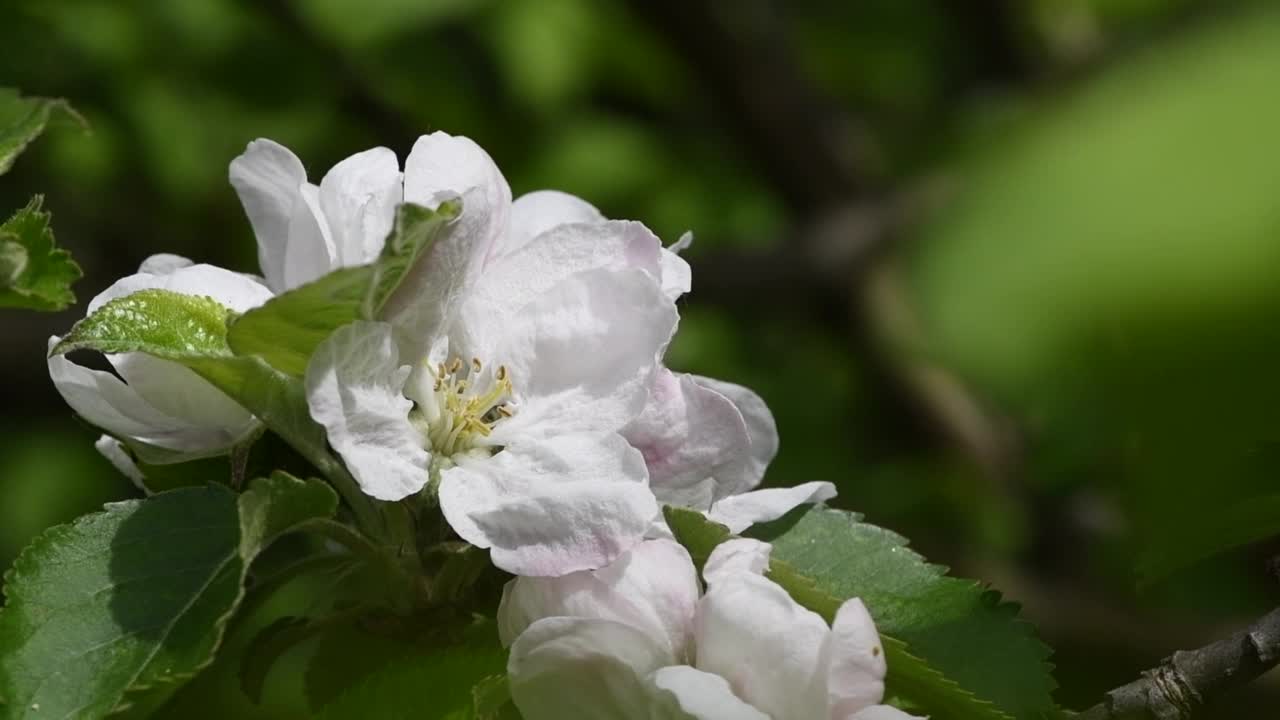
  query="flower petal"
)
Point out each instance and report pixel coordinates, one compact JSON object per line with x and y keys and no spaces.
{"x":512,"y":282}
{"x":699,"y":695}
{"x":551,"y":507}
{"x":581,"y":358}
{"x":309,"y":252}
{"x":116,"y":454}
{"x":760,"y":425}
{"x":537,"y":212}
{"x":653,"y":588}
{"x":234,"y":291}
{"x":740,"y":512}
{"x":688,"y":434}
{"x":107,"y":402}
{"x":879,"y":712}
{"x":740,"y":556}
{"x":163,"y":264}
{"x":359,"y":197}
{"x":749,"y":631}
{"x":854,"y":660}
{"x":268,"y":178}
{"x":354,"y":389}
{"x":442,"y":167}
{"x":599,"y":668}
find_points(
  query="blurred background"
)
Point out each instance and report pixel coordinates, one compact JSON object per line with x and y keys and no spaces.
{"x":1005,"y":271}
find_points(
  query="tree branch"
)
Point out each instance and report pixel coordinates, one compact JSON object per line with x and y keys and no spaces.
{"x":1186,"y":681}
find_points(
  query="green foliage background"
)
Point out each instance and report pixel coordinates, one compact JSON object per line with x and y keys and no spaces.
{"x":1098,"y":274}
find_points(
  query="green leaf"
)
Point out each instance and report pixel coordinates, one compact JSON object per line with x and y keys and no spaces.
{"x":34,"y":274}
{"x":23,"y":119}
{"x":433,"y":683}
{"x":952,"y":649}
{"x":286,"y":329}
{"x":138,"y":596}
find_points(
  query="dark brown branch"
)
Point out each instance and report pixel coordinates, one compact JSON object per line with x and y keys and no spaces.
{"x":1180,"y":686}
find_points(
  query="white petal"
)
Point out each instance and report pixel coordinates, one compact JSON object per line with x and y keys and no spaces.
{"x":163,"y":264}
{"x":359,"y":197}
{"x":515,"y":280}
{"x":233,"y":290}
{"x":740,"y":512}
{"x":105,"y":401}
{"x":581,"y":358}
{"x":760,"y":425}
{"x":677,"y":276}
{"x":700,"y":695}
{"x":537,"y":212}
{"x":740,"y":556}
{"x":551,"y":507}
{"x":653,"y":587}
{"x":854,"y":659}
{"x":354,"y":389}
{"x":442,"y":167}
{"x":309,"y":253}
{"x":879,"y":712}
{"x":267,"y":177}
{"x":116,"y":454}
{"x":688,"y":434}
{"x":585,"y":668}
{"x":750,"y":631}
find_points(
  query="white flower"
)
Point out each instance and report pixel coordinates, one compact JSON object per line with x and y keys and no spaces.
{"x":512,"y":355}
{"x":166,"y":412}
{"x":634,"y":640}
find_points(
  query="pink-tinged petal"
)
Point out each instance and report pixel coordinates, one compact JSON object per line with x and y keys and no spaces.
{"x":354,"y":389}
{"x":358,"y":198}
{"x":688,"y":435}
{"x":653,"y":587}
{"x":442,"y":167}
{"x":551,"y":507}
{"x":760,"y":426}
{"x":854,"y":660}
{"x":740,"y":512}
{"x":581,"y":357}
{"x":537,"y":212}
{"x":749,"y":631}
{"x":698,"y":695}
{"x":583,"y":668}
{"x":677,"y":276}
{"x":733,"y":558}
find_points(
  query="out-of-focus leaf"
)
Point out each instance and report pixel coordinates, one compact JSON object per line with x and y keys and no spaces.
{"x":23,"y":119}
{"x":967,"y":656}
{"x":137,"y":597}
{"x":1214,"y":531}
{"x":286,"y":329}
{"x":34,"y":273}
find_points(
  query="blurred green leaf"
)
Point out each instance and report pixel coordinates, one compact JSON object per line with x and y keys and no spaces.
{"x":138,"y":596}
{"x":286,"y":329}
{"x":1215,"y":530}
{"x":23,"y":119}
{"x":824,"y":556}
{"x":431,"y":682}
{"x":34,"y":274}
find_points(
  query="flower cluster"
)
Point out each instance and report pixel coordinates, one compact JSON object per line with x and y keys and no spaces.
{"x":516,"y":378}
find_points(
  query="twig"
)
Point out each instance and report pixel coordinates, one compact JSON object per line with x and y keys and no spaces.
{"x":1186,"y":681}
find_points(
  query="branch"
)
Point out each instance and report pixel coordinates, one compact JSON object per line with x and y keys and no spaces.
{"x":1185,"y":682}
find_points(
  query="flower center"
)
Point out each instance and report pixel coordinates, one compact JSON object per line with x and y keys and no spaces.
{"x":465,"y":403}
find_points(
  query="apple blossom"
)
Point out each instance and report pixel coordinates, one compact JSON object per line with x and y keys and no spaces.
{"x":165,"y":412}
{"x":509,"y":360}
{"x":635,"y":640}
